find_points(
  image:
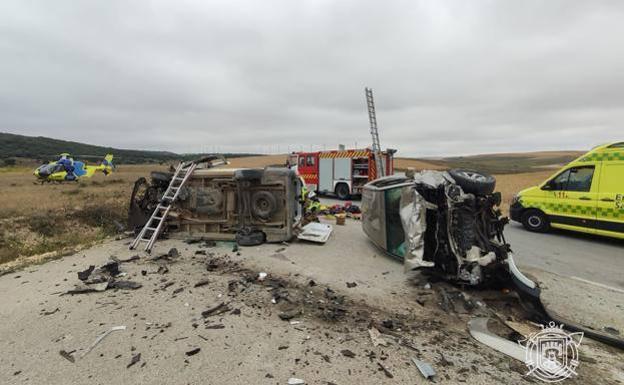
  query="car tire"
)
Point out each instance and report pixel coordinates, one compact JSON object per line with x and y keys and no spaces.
{"x":263,"y":204}
{"x":342,"y":191}
{"x":535,"y":220}
{"x":474,"y":182}
{"x":253,"y":238}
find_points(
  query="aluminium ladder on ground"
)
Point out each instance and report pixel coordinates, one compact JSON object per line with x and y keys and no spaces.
{"x":149,"y":233}
{"x":372,"y":117}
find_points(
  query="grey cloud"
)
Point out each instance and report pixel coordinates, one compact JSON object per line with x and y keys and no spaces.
{"x":450,"y":77}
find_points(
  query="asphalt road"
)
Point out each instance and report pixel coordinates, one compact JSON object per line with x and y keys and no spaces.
{"x":584,"y":257}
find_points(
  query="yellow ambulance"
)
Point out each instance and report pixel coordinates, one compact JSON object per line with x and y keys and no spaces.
{"x":586,"y":195}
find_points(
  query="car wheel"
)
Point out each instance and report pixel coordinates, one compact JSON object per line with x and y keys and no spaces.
{"x":263,"y":204}
{"x":474,"y":182}
{"x":342,"y":191}
{"x":535,"y":220}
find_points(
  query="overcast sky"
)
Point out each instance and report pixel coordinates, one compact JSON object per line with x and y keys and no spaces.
{"x":449,"y":77}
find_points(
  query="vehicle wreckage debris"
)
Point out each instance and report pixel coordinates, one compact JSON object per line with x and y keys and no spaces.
{"x":84,"y":275}
{"x":51,"y":311}
{"x":217,"y":309}
{"x":100,"y":279}
{"x":68,"y":355}
{"x":135,"y":358}
{"x":479,"y":330}
{"x":201,"y":283}
{"x":101,"y":337}
{"x":193,"y":352}
{"x":385,"y":370}
{"x":425,"y":369}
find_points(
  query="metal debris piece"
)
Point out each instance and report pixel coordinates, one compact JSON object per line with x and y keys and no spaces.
{"x":316,"y":232}
{"x":479,"y":330}
{"x":295,"y":381}
{"x":385,"y":370}
{"x":376,"y":337}
{"x":215,"y":310}
{"x":192,"y":352}
{"x":83,"y":288}
{"x":425,"y":369}
{"x":288,"y":315}
{"x":125,"y":285}
{"x":112,"y":267}
{"x":201,"y":283}
{"x":261,"y":276}
{"x":133,"y":258}
{"x":101,"y":337}
{"x":135,"y":358}
{"x":68,"y":356}
{"x":84,"y":275}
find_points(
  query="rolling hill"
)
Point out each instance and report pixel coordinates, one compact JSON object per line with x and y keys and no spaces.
{"x":41,"y":149}
{"x":505,"y":163}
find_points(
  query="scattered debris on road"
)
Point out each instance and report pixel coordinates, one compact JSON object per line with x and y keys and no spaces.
{"x":135,"y":358}
{"x":103,"y":278}
{"x":101,"y":337}
{"x":425,"y":369}
{"x":316,"y":232}
{"x":193,"y":352}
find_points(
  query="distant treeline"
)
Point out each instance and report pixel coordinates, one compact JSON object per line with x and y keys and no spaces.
{"x":43,"y":149}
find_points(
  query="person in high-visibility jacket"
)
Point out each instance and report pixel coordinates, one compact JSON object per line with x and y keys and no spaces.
{"x":308,"y":199}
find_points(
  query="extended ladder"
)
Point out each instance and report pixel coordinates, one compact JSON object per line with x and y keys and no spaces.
{"x":372,"y":117}
{"x":149,"y":233}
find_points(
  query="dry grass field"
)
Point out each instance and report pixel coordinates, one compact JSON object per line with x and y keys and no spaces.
{"x":37,"y":219}
{"x":507,"y":163}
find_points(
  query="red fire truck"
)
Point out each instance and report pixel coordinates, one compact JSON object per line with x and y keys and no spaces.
{"x":342,"y":172}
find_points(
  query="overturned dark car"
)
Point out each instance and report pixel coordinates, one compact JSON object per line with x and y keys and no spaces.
{"x":446,"y":222}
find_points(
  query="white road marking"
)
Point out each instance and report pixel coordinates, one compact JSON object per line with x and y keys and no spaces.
{"x":599,"y":284}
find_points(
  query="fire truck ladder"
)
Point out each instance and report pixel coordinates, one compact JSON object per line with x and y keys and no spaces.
{"x":372,"y":117}
{"x":155,"y":224}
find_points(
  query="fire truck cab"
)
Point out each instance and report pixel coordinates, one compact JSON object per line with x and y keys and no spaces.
{"x":340,"y":172}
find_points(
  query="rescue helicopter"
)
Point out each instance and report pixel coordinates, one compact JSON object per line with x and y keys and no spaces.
{"x":66,"y":169}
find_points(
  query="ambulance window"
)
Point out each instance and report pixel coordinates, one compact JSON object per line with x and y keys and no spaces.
{"x":580,"y":179}
{"x":310,"y":160}
{"x":560,"y":181}
{"x":573,"y":179}
{"x":302,"y":161}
